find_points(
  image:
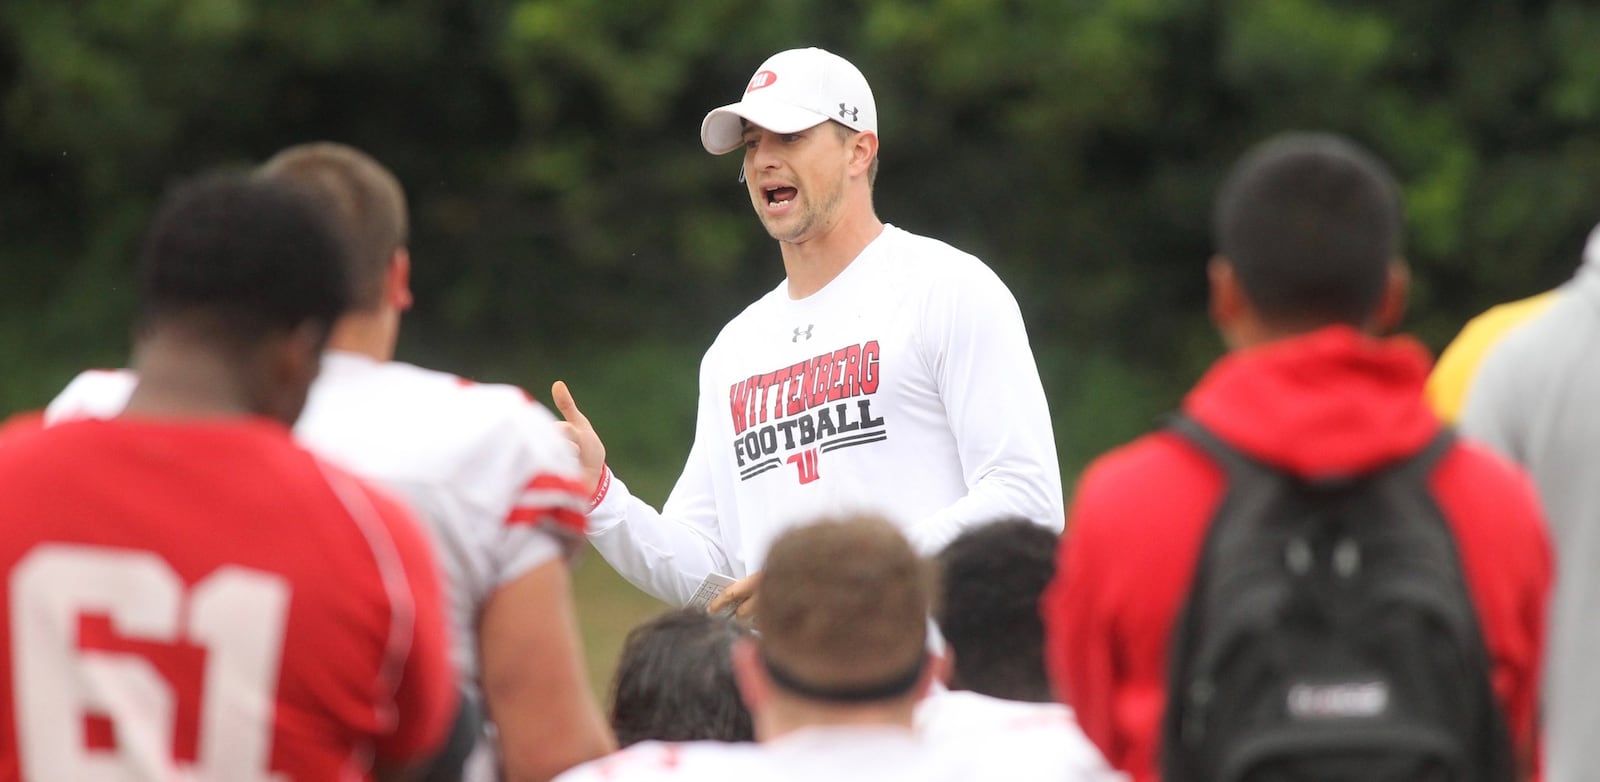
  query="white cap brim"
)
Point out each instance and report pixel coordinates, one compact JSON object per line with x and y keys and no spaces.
{"x":722,"y":132}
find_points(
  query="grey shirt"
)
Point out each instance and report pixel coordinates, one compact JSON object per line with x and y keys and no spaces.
{"x":1536,"y":399}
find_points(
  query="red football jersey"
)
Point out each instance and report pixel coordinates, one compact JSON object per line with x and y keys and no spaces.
{"x":205,"y":600}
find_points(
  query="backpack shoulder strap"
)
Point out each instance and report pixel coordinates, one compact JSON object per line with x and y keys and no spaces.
{"x":1232,"y":459}
{"x":1426,"y":459}
{"x":1182,"y":645}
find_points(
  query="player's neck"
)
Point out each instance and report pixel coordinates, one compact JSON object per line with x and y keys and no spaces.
{"x":184,"y":378}
{"x":787,"y":715}
{"x":812,"y":264}
{"x":1253,"y":334}
{"x":372,"y":334}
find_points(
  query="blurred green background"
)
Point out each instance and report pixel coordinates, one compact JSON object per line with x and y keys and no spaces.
{"x":567,"y":224}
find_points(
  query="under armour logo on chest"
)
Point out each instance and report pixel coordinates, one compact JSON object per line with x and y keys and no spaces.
{"x":798,"y":332}
{"x":849,"y":112}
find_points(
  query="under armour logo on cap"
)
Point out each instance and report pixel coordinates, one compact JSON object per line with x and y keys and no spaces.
{"x":849,"y":112}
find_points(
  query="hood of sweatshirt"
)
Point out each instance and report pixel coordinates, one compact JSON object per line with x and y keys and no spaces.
{"x":1330,"y":403}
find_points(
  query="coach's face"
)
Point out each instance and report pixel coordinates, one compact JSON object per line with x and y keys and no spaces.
{"x":796,"y":180}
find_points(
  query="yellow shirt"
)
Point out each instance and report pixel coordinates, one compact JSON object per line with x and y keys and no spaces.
{"x":1452,"y":376}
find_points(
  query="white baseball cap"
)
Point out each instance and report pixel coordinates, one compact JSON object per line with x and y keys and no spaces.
{"x":791,"y":91}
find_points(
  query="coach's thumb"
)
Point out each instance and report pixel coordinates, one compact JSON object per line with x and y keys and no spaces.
{"x":564,"y":403}
{"x":591,"y":452}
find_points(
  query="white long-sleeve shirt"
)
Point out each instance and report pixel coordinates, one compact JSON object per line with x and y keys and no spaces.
{"x":905,"y":387}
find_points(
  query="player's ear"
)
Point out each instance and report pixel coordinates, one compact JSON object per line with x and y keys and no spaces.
{"x":397,"y":280}
{"x":1392,"y":307}
{"x":936,"y":668}
{"x":1232,"y":312}
{"x":943,"y":665}
{"x":750,"y":674}
{"x":289,"y":363}
{"x":1226,"y":297}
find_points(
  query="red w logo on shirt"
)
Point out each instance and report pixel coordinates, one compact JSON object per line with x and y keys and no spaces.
{"x":806,"y":463}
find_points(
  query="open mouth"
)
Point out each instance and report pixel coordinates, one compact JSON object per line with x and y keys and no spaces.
{"x":778,"y":196}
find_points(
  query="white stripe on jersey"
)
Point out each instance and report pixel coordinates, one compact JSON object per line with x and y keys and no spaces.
{"x":396,"y":585}
{"x":544,"y":499}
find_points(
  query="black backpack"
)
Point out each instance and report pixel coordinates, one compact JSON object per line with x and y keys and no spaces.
{"x":1329,"y":636}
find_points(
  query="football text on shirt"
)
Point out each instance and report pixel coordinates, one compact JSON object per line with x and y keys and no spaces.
{"x":820,"y":404}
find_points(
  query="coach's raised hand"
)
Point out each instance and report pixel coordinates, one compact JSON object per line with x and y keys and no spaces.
{"x":576,"y":427}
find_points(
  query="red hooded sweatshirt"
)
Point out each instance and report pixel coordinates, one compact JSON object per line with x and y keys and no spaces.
{"x":1329,"y":402}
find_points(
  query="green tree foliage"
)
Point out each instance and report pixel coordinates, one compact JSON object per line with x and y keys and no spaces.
{"x":567,"y":222}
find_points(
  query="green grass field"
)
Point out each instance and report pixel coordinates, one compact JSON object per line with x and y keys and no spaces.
{"x":608,"y":607}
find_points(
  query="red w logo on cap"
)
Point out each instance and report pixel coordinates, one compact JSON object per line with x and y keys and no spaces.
{"x":761,"y":79}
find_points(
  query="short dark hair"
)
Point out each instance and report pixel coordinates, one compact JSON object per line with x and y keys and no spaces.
{"x":991,"y":578}
{"x":675,"y":681}
{"x":363,"y":198}
{"x":1310,"y":223}
{"x":254,"y":257}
